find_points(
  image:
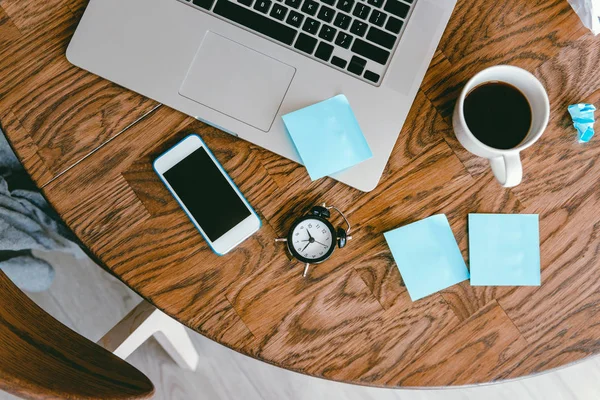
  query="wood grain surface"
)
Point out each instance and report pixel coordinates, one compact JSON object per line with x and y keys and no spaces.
{"x":40,"y":358}
{"x":89,"y":144}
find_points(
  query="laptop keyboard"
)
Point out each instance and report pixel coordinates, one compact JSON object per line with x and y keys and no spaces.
{"x":355,"y":36}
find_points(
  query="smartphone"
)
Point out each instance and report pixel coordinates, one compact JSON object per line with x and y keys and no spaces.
{"x":207,"y":194}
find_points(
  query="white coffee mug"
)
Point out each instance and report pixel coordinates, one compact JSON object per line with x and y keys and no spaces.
{"x":506,"y":164}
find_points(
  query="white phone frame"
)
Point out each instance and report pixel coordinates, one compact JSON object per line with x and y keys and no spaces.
{"x":235,"y":235}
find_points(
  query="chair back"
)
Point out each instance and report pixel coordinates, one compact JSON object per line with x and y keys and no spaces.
{"x":40,"y":358}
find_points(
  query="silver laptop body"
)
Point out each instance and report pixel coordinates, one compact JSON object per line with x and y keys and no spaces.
{"x":240,"y":65}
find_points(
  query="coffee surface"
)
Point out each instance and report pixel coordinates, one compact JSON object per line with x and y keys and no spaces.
{"x":498,"y":114}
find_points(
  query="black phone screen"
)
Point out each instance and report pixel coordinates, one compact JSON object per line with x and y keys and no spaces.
{"x":207,"y":194}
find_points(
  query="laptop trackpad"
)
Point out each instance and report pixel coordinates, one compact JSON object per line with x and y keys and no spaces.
{"x":237,"y":81}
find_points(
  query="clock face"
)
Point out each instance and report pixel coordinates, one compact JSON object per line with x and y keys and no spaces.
{"x":312,"y":239}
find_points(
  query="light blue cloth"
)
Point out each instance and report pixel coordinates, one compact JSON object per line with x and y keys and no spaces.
{"x":327,"y":137}
{"x":427,"y":256}
{"x":27,"y":223}
{"x":583,"y":120}
{"x":504,"y":249}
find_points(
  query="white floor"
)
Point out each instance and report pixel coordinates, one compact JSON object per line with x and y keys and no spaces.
{"x":90,"y":301}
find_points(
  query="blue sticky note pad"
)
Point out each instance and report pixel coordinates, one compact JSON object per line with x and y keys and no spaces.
{"x":327,"y":137}
{"x":504,"y":249}
{"x":427,"y":256}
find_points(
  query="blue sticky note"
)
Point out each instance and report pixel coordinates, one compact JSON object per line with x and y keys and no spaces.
{"x":583,"y":120}
{"x":427,"y":256}
{"x":327,"y":137}
{"x":504,"y":249}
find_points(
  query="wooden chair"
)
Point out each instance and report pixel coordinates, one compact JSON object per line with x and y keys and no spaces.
{"x":40,"y":358}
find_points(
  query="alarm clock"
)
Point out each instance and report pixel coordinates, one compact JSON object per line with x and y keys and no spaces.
{"x":312,"y":238}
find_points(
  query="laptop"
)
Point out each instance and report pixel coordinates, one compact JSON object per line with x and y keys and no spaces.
{"x":240,"y":65}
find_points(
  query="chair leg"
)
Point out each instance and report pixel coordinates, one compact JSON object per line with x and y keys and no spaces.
{"x":143,"y":322}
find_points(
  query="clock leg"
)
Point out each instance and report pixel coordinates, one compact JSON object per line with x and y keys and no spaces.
{"x":306,"y":270}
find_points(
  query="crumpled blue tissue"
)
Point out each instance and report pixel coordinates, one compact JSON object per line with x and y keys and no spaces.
{"x":583,"y":120}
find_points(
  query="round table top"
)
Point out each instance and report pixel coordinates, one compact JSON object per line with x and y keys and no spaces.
{"x":89,"y":144}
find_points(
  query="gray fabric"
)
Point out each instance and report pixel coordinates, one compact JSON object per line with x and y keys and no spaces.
{"x":30,"y":273}
{"x":26,"y":223}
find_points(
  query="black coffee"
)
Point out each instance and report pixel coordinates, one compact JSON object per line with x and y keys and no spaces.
{"x":498,"y":114}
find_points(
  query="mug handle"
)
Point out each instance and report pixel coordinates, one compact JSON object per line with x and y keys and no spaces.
{"x":507,"y":169}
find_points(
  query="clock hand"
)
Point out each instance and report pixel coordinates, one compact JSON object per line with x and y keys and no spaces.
{"x":307,"y":244}
{"x":309,"y":235}
{"x":316,"y":241}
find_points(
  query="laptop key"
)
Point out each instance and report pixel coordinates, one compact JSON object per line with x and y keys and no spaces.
{"x":380,"y":37}
{"x":254,"y":21}
{"x":262,"y":5}
{"x":278,"y":11}
{"x":310,"y":7}
{"x":342,"y":21}
{"x":361,"y":11}
{"x":295,"y":19}
{"x":305,"y":43}
{"x":377,"y":18}
{"x":326,"y":14}
{"x":397,"y":8}
{"x":329,"y":2}
{"x":311,"y":25}
{"x":370,"y":51}
{"x":376,"y":3}
{"x":327,"y":33}
{"x":358,"y":28}
{"x":293,"y":3}
{"x":324,"y":51}
{"x":394,"y":25}
{"x":345,"y":5}
{"x":338,"y":62}
{"x":206,"y":4}
{"x":357,"y":65}
{"x":372,"y":76}
{"x":343,"y":40}
{"x":246,"y":2}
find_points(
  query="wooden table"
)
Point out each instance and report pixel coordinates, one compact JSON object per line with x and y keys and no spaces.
{"x":89,"y":144}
